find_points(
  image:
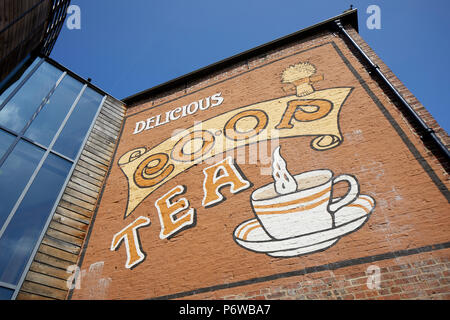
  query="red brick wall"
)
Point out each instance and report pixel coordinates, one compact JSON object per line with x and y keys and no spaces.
{"x":406,"y":236}
{"x":412,"y":101}
{"x":421,"y":276}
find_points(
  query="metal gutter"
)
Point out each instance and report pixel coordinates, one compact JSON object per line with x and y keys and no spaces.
{"x":348,"y":17}
{"x":426,"y":131}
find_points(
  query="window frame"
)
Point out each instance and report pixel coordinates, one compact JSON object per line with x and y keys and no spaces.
{"x":47,"y":150}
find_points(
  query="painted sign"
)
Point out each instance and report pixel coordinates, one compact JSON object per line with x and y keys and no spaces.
{"x":297,"y":215}
{"x":271,"y":169}
{"x":308,"y":113}
{"x":298,"y":219}
{"x":178,"y":113}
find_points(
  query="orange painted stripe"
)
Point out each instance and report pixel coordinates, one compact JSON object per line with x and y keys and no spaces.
{"x":246,"y":225}
{"x":297,"y":201}
{"x":248,"y":231}
{"x":358,"y":206}
{"x":311,"y":206}
{"x":368,"y":200}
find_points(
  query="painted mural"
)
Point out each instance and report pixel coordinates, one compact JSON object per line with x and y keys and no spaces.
{"x":295,"y":215}
{"x":278,"y":168}
{"x":310,"y":112}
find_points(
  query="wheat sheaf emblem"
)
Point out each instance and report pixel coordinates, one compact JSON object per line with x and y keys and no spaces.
{"x":302,"y":76}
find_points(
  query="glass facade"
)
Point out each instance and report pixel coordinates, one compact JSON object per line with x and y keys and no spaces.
{"x":45,"y":117}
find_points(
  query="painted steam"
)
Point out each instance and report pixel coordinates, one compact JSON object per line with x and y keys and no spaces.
{"x":284,"y":182}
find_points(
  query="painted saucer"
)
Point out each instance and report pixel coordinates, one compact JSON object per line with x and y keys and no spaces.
{"x":251,"y":236}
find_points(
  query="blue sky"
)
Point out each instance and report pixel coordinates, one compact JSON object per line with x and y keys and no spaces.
{"x":130,"y":46}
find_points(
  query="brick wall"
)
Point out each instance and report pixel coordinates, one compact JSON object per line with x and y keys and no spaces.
{"x":421,"y":276}
{"x":433,"y":153}
{"x":406,"y":238}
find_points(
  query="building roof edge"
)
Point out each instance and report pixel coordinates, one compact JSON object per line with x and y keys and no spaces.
{"x":347,"y":17}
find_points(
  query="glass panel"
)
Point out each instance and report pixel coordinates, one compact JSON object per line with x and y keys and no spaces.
{"x":6,"y":140}
{"x":22,"y":106}
{"x":21,"y":235}
{"x":6,"y":294}
{"x":76,"y":128}
{"x":15,"y":173}
{"x":13,"y":86}
{"x":49,"y":119}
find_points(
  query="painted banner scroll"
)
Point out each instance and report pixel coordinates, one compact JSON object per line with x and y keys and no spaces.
{"x":308,"y":113}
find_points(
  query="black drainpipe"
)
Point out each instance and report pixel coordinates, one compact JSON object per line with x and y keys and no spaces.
{"x":426,"y":130}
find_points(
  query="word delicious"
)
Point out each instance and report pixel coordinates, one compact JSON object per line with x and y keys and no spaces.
{"x":180,"y":112}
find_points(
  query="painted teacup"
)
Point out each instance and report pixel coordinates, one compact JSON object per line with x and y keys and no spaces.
{"x":307,"y":210}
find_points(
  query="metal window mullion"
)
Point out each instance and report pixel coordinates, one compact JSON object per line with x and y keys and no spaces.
{"x":7,"y":285}
{"x":12,"y":132}
{"x":62,"y":156}
{"x":50,"y":217}
{"x":37,"y":144}
{"x":44,"y":157}
{"x":44,"y":102}
{"x":12,"y":94}
{"x":28,"y":124}
{"x":56,"y":153}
